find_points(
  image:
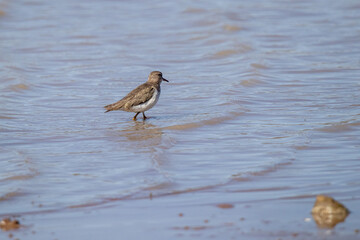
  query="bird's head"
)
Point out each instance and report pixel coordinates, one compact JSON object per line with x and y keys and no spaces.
{"x":156,"y":77}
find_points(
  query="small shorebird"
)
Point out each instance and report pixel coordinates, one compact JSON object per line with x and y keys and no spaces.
{"x":141,"y":98}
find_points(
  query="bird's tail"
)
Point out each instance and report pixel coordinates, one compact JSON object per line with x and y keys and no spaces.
{"x":109,"y":107}
{"x":114,"y":106}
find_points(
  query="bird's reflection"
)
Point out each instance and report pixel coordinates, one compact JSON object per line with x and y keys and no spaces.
{"x":137,"y":136}
{"x":142,"y":139}
{"x":141,"y":131}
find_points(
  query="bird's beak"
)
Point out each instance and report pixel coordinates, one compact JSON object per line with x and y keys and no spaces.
{"x":165,"y":80}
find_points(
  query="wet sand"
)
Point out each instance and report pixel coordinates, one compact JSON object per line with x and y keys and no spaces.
{"x":261,"y":115}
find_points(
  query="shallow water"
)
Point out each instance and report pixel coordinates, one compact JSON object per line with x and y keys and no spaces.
{"x":261,"y":112}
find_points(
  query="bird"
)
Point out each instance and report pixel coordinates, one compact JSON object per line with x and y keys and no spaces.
{"x":141,"y":98}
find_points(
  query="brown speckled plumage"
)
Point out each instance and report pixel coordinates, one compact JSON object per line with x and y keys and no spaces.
{"x":139,"y":95}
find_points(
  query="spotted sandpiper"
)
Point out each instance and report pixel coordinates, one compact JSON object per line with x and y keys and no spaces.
{"x":141,"y":98}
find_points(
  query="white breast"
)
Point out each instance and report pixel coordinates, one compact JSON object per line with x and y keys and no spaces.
{"x":147,"y":105}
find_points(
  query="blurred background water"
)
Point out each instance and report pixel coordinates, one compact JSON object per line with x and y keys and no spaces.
{"x":261,"y":112}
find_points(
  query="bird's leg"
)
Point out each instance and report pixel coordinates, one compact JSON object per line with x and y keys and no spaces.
{"x":144,"y":115}
{"x":134,"y":118}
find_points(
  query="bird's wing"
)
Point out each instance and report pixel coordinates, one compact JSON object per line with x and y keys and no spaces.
{"x":139,"y":95}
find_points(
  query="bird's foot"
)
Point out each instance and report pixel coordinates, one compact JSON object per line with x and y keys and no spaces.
{"x":134,"y":118}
